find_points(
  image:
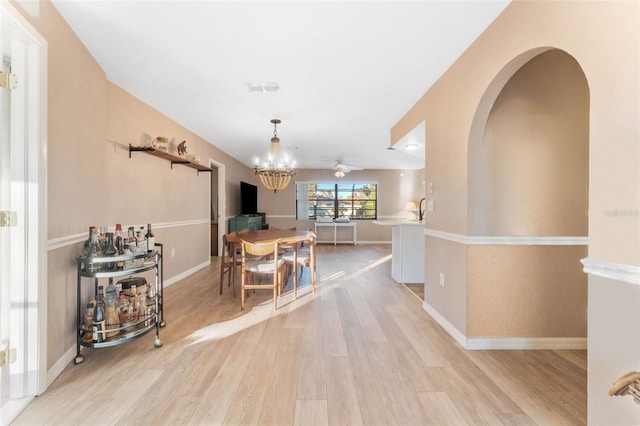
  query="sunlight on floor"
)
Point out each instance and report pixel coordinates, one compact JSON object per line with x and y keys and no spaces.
{"x":286,"y":304}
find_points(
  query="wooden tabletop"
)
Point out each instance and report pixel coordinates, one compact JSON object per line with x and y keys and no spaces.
{"x":264,"y":235}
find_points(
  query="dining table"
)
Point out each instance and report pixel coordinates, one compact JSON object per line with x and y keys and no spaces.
{"x":292,"y":238}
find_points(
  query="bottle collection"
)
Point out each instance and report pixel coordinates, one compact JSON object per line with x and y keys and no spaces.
{"x":127,"y":303}
{"x":102,"y":243}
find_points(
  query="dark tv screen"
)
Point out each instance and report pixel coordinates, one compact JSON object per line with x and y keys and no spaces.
{"x":248,"y":198}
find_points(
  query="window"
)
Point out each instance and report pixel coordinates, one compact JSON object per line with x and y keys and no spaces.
{"x":353,"y":200}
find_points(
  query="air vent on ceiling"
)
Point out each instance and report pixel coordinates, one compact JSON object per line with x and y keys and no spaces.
{"x":263,"y":87}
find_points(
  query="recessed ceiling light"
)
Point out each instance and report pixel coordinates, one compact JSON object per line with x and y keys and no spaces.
{"x":263,"y":87}
{"x":411,"y":146}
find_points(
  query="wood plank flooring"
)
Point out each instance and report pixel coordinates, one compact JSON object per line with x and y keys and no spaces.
{"x":361,"y":350}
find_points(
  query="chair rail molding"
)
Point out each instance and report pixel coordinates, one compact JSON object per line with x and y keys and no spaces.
{"x":473,"y":240}
{"x":611,"y":270}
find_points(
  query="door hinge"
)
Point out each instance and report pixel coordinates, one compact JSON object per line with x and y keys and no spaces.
{"x":8,"y":80}
{"x":8,"y":356}
{"x":8,"y":219}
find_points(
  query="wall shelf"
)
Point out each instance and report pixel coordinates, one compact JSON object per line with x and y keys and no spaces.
{"x":174,"y":159}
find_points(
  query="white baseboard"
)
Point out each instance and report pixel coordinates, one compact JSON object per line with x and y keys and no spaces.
{"x":453,"y":332}
{"x":185,"y":274}
{"x":525,"y":343}
{"x":61,"y":364}
{"x":505,"y":343}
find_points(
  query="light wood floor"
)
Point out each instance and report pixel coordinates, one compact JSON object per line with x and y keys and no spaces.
{"x":361,"y":350}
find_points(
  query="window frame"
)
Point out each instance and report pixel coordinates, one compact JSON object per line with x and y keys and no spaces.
{"x":304,"y":202}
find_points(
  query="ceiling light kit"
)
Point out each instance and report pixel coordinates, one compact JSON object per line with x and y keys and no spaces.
{"x":263,"y":87}
{"x":411,"y":146}
{"x":341,"y":169}
{"x":275,"y":172}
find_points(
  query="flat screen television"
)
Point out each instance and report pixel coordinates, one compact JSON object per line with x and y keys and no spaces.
{"x":248,"y":199}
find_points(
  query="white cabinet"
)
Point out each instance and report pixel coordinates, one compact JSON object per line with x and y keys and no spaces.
{"x":407,"y":251}
{"x":331,"y":232}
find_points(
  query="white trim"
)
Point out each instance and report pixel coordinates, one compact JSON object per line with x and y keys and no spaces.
{"x":68,"y":240}
{"x":449,"y":328}
{"x":61,"y":364}
{"x":611,"y":270}
{"x":185,"y":274}
{"x":505,"y":343}
{"x":526,"y":343}
{"x":506,"y":240}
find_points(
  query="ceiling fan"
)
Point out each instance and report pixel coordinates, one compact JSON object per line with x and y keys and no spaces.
{"x":341,"y":169}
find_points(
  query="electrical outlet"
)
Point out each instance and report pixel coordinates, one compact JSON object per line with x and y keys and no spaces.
{"x":442,"y":279}
{"x":173,"y":252}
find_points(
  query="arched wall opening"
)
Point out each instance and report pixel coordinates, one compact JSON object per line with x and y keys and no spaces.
{"x":528,"y":201}
{"x":528,"y":168}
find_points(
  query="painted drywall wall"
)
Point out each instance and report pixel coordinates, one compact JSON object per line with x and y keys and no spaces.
{"x":526,"y":291}
{"x":528,"y":175}
{"x":92,"y":181}
{"x":603,"y":38}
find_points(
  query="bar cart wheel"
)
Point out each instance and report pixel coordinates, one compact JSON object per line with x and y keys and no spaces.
{"x":163,"y":323}
{"x":157,"y":343}
{"x":79,"y":359}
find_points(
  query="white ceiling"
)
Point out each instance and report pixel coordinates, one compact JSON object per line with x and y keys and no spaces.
{"x":347,"y":70}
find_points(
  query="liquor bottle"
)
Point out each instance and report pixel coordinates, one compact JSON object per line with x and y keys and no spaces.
{"x":98,"y":321}
{"x":118,"y":232}
{"x":85,"y":249}
{"x":88,"y":322}
{"x":112,"y":321}
{"x":140,"y":238}
{"x":150,"y":239}
{"x":131,"y":235}
{"x":93,"y":251}
{"x":102,"y":237}
{"x":110,"y":250}
{"x":119,"y":239}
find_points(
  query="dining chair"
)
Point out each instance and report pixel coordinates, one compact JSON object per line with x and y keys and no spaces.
{"x":230,"y":260}
{"x":305,"y":257}
{"x":261,"y":259}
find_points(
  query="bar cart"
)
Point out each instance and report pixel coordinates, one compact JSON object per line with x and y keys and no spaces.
{"x":102,"y":267}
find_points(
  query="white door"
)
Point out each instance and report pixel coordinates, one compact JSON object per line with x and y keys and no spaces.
{"x":12,"y":240}
{"x":22,"y":259}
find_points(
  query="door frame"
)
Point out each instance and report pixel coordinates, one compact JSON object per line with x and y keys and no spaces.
{"x":222,"y":200}
{"x":32,"y":131}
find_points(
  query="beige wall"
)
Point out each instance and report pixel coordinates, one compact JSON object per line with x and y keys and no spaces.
{"x":92,"y":181}
{"x":528,"y":175}
{"x":603,"y":38}
{"x":526,"y":291}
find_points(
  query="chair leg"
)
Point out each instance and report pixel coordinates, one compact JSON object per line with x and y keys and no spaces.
{"x":294,"y":268}
{"x":242,"y":278}
{"x":276,"y":288}
{"x":221,"y":277}
{"x":232,"y":282}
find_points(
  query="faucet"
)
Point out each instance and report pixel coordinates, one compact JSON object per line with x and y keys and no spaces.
{"x":421,"y":210}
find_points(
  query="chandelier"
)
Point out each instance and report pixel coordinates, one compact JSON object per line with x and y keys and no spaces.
{"x":276,"y":171}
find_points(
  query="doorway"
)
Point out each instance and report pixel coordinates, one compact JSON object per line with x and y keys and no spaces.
{"x":23,"y":254}
{"x":218,"y":205}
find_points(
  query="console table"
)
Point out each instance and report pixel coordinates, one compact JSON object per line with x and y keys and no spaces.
{"x":323,"y":237}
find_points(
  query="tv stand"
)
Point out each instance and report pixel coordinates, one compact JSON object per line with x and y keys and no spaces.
{"x":238,"y":223}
